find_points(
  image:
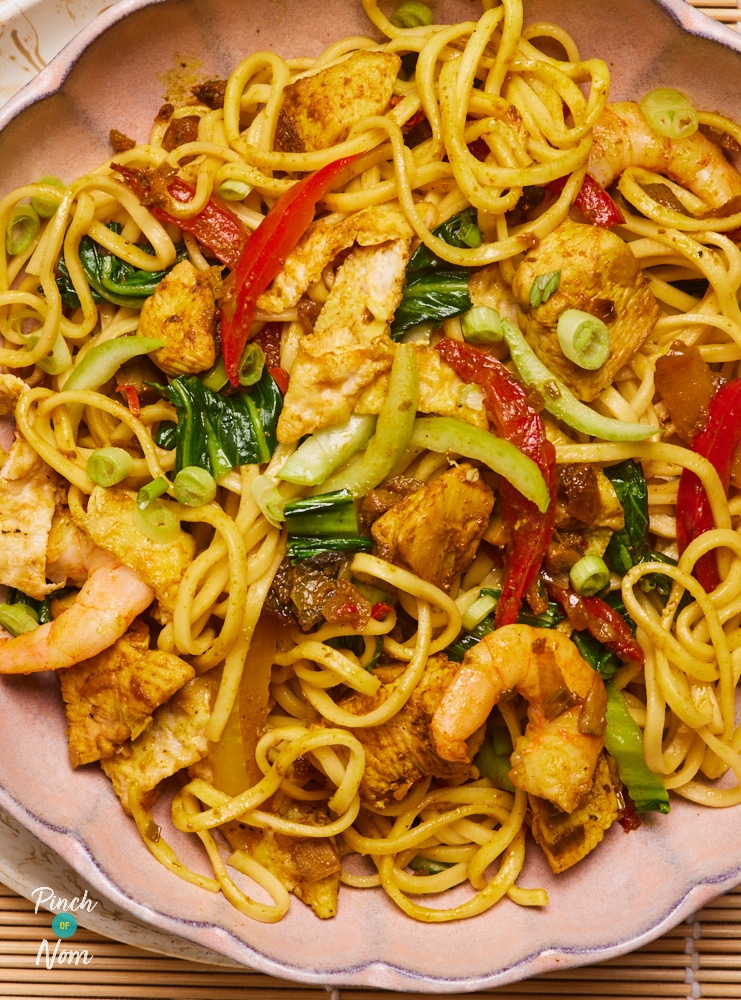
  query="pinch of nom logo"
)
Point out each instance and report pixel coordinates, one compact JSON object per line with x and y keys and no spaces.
{"x":63,"y":925}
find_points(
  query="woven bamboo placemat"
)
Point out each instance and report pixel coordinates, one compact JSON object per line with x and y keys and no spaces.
{"x":701,"y":958}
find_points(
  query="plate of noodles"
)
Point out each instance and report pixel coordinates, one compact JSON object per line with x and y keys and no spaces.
{"x":369,"y":413}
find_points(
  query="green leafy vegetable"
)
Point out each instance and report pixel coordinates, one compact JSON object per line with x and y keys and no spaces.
{"x":110,"y":278}
{"x":456,"y":231}
{"x":629,"y":546}
{"x":325,"y":522}
{"x":624,"y":743}
{"x":432,"y":296}
{"x":436,"y":290}
{"x":218,"y":432}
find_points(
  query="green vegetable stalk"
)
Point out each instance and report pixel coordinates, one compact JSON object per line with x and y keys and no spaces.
{"x":393,"y":430}
{"x":624,"y":743}
{"x":560,"y":401}
{"x":447,"y":434}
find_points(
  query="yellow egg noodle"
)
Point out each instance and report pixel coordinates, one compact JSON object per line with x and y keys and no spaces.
{"x":348,"y":749}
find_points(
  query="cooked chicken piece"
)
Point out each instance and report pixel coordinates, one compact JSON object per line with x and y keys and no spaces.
{"x":309,"y":868}
{"x":11,"y":388}
{"x":436,"y":531}
{"x":28,"y":488}
{"x":600,"y":276}
{"x":110,"y":698}
{"x":566,"y":838}
{"x":320,"y":108}
{"x":401,"y":752}
{"x":109,"y":522}
{"x":487,"y":287}
{"x":442,"y":392}
{"x":176,"y":739}
{"x":350,"y":346}
{"x":182,"y":312}
{"x":323,"y":242}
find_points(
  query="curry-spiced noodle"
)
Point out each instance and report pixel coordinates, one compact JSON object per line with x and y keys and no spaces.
{"x":403,"y":531}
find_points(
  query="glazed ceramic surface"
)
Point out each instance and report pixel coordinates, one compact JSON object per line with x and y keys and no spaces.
{"x":116,"y":73}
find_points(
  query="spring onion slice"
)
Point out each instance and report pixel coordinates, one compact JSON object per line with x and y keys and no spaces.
{"x":108,"y":466}
{"x":46,"y":205}
{"x":448,"y":434}
{"x":150,"y":491}
{"x":326,"y":450}
{"x":58,"y":360}
{"x":669,"y":113}
{"x":475,"y":613}
{"x":560,"y":401}
{"x":22,"y":229}
{"x":481,"y":325}
{"x":18,"y":618}
{"x":194,"y":486}
{"x":411,"y":14}
{"x":233,"y":189}
{"x":543,"y":286}
{"x":584,"y":339}
{"x":589,"y":575}
{"x":157,"y":522}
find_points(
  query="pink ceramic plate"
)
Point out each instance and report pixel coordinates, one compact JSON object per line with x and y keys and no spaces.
{"x":116,"y":73}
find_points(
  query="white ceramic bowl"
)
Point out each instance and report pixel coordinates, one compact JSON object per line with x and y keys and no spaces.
{"x":116,"y":73}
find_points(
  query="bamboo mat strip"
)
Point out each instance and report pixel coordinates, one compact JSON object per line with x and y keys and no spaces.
{"x":699,"y":960}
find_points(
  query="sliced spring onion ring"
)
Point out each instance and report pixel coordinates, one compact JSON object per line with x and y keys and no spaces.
{"x":46,"y":205}
{"x":157,"y":522}
{"x":108,"y":466}
{"x":149,"y":492}
{"x":481,"y":325}
{"x":411,"y":14}
{"x":22,"y":229}
{"x":476,"y":612}
{"x":669,"y":113}
{"x":589,"y":575}
{"x":194,"y":486}
{"x":18,"y":618}
{"x":58,"y":360}
{"x":233,"y":189}
{"x":543,"y":286}
{"x":584,"y":339}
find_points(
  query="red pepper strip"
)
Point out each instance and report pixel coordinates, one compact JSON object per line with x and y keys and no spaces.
{"x":216,"y":227}
{"x":594,"y":203}
{"x":601,"y":620}
{"x":519,"y":423}
{"x":280,"y":377}
{"x":132,"y":397}
{"x":264,"y":255}
{"x":718,"y":443}
{"x":380,"y":610}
